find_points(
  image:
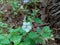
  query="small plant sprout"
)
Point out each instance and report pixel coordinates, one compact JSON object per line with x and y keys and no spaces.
{"x":25,"y":1}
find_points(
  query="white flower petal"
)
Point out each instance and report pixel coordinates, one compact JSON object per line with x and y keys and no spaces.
{"x":29,"y":27}
{"x":27,"y":30}
{"x":26,"y":26}
{"x":28,"y":23}
{"x":23,"y":27}
{"x":24,"y":23}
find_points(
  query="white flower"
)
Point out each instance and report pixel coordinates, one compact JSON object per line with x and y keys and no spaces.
{"x":26,"y":26}
{"x":25,"y":1}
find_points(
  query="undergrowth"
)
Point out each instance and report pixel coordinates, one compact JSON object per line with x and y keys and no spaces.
{"x":24,"y":35}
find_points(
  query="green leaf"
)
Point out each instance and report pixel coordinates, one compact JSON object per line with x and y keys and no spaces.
{"x":16,"y":39}
{"x":27,"y":39}
{"x":3,"y":25}
{"x":12,"y":31}
{"x":37,"y":20}
{"x":33,"y":35}
{"x":39,"y":30}
{"x":1,"y":30}
{"x":39,"y":40}
{"x":0,"y":44}
{"x":1,"y":37}
{"x":5,"y":41}
{"x":46,"y":29}
{"x":14,"y":4}
{"x":9,"y":36}
{"x":34,"y":12}
{"x":29,"y":18}
{"x":46,"y":35}
{"x":24,"y":43}
{"x":21,"y":31}
{"x":32,"y":42}
{"x":28,"y":42}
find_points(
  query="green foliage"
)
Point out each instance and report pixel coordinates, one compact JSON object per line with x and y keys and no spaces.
{"x":3,"y":25}
{"x":46,"y":32}
{"x":16,"y":39}
{"x":31,"y":38}
{"x":1,"y":1}
{"x":4,"y":39}
{"x":38,"y":30}
{"x":14,"y":4}
{"x":38,"y":40}
{"x":18,"y":36}
{"x":33,"y":35}
{"x":37,"y":20}
{"x":46,"y":29}
{"x":34,"y":12}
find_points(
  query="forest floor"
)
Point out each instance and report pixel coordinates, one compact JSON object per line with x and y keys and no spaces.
{"x":15,"y":19}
